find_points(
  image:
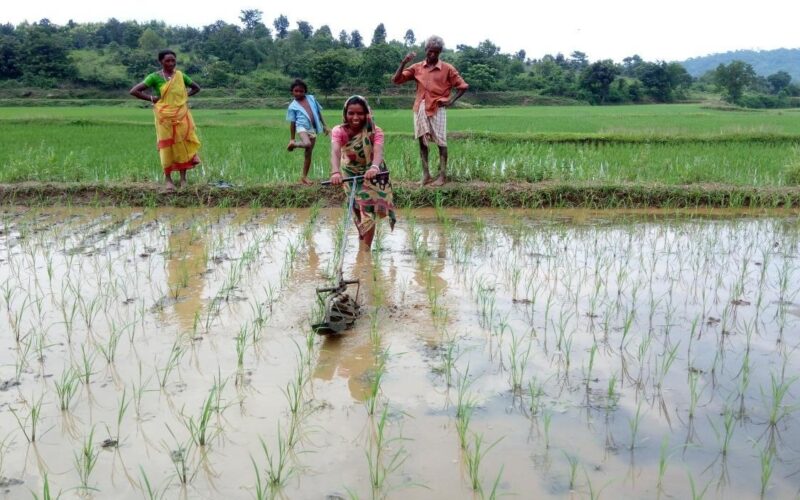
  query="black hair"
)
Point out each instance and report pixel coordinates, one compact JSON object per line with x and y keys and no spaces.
{"x":298,"y":83}
{"x":165,"y":53}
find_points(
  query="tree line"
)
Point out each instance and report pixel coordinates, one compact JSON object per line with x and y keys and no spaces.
{"x":257,"y":57}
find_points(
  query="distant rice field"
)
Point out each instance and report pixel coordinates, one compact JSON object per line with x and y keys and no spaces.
{"x":672,"y":144}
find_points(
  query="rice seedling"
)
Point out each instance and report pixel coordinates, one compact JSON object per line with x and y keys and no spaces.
{"x":518,"y":360}
{"x":379,"y":464}
{"x":474,"y":455}
{"x":375,"y":380}
{"x":150,"y":492}
{"x":46,"y":494}
{"x":200,"y":431}
{"x":176,"y":352}
{"x":766,"y":458}
{"x":573,"y":462}
{"x":180,"y":455}
{"x":547,"y":419}
{"x":778,"y":391}
{"x":536,"y":393}
{"x":634,"y":424}
{"x":697,"y":494}
{"x":725,"y":434}
{"x":663,"y":461}
{"x":66,"y":388}
{"x":86,"y":460}
{"x":278,"y":467}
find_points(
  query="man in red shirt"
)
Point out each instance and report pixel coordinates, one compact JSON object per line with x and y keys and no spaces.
{"x":435,"y":79}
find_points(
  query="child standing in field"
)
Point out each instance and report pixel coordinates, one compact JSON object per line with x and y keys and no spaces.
{"x":305,"y":116}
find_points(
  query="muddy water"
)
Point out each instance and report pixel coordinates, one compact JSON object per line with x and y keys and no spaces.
{"x":634,"y":354}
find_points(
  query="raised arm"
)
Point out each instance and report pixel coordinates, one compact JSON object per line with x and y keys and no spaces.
{"x":399,"y":77}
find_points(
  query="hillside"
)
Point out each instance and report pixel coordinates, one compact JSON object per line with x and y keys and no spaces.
{"x":765,"y":62}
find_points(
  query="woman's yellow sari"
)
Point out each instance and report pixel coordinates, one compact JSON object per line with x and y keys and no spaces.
{"x":177,"y":141}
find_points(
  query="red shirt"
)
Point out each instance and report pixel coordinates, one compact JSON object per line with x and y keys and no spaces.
{"x":433,"y":83}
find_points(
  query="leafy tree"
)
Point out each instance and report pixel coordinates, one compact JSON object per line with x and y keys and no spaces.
{"x":734,"y":78}
{"x":44,"y":53}
{"x":328,"y":70}
{"x":379,"y":36}
{"x":409,"y":38}
{"x":578,"y":60}
{"x":218,"y":74}
{"x":521,"y":55}
{"x":251,"y":18}
{"x":281,"y":24}
{"x":656,"y":80}
{"x":344,"y":39}
{"x":356,"y":40}
{"x":305,"y":29}
{"x":10,"y":49}
{"x":630,"y":65}
{"x":480,"y":77}
{"x":139,"y":63}
{"x":378,"y":61}
{"x":150,"y":41}
{"x":322,"y":39}
{"x":779,"y":81}
{"x":222,"y":39}
{"x":596,"y":79}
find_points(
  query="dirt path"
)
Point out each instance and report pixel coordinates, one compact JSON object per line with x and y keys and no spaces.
{"x":407,"y":194}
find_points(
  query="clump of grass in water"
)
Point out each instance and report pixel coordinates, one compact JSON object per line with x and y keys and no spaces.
{"x":85,"y":461}
{"x":474,"y":456}
{"x":66,"y":387}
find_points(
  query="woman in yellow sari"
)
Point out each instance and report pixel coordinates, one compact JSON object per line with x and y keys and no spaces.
{"x":177,"y":141}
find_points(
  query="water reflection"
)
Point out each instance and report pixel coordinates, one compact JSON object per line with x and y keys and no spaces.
{"x":186,"y":267}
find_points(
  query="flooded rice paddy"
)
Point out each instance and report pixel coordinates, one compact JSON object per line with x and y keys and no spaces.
{"x":168,"y":353}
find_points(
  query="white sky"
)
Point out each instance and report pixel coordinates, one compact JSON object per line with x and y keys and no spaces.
{"x":669,"y":30}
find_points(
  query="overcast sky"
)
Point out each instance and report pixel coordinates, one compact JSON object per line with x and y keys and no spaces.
{"x":668,"y":30}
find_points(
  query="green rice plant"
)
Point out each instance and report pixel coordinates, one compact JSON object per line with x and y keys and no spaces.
{"x":32,"y":419}
{"x":66,"y":387}
{"x":766,"y":458}
{"x":474,"y":456}
{"x":724,"y":435}
{"x":278,"y":467}
{"x":588,"y":372}
{"x":176,"y":352}
{"x":611,"y":392}
{"x":697,"y":494}
{"x":199,"y":430}
{"x":663,"y":461}
{"x":148,"y":490}
{"x":86,"y":460}
{"x":449,"y":353}
{"x":536,"y":393}
{"x":180,"y":454}
{"x":375,"y":380}
{"x":547,"y":419}
{"x":46,"y":495}
{"x":241,"y":345}
{"x":634,"y":424}
{"x":109,"y":350}
{"x":87,"y":365}
{"x":379,"y":464}
{"x":665,"y":362}
{"x":694,"y":393}
{"x":518,"y":360}
{"x":778,"y":390}
{"x":572,"y":460}
{"x":463,"y":418}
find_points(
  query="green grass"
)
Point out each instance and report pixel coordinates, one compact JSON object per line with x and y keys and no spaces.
{"x":675,"y":144}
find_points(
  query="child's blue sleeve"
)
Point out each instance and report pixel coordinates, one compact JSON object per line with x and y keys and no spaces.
{"x":291,"y":115}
